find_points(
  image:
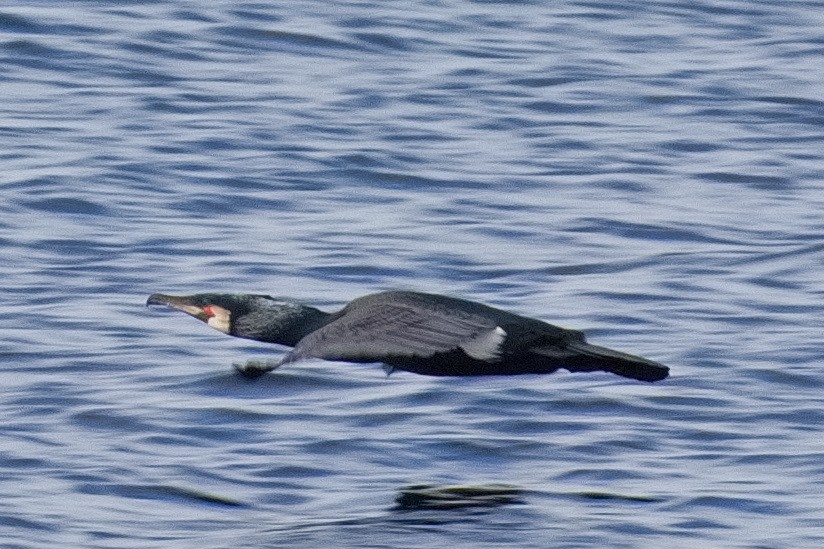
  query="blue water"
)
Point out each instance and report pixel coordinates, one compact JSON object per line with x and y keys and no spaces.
{"x":650,"y":173}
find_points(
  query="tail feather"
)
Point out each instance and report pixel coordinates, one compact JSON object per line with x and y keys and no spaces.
{"x":579,"y":356}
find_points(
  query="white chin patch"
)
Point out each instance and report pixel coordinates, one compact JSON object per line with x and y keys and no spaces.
{"x":486,"y":345}
{"x":221,"y":319}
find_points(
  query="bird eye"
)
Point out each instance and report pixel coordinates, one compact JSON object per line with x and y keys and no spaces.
{"x":209,"y":311}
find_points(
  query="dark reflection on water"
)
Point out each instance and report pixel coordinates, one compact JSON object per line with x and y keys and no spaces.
{"x":427,"y":496}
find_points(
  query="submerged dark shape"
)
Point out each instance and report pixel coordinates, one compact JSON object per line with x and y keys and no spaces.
{"x":427,"y":496}
{"x":423,"y":333}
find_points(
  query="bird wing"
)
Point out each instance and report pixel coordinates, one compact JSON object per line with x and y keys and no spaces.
{"x":405,"y":326}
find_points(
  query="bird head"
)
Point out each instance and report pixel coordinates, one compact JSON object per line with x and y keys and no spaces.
{"x":220,"y":311}
{"x":250,"y":316}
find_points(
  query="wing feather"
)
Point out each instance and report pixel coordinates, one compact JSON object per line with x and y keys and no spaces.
{"x":408,"y":325}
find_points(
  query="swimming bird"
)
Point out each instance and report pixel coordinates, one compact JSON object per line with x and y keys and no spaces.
{"x":417,"y":332}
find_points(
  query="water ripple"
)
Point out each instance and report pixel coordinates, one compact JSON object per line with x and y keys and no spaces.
{"x":651,"y":177}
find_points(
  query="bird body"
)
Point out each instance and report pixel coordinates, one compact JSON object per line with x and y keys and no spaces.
{"x":418,"y":332}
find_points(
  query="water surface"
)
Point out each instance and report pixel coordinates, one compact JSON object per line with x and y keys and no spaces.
{"x":649,"y":174}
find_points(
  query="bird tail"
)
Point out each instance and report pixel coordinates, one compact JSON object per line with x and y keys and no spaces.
{"x":579,"y":356}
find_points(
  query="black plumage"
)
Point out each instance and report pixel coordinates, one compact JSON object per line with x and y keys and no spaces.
{"x":417,"y":332}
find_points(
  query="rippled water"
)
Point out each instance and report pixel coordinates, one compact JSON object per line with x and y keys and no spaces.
{"x":650,"y":173}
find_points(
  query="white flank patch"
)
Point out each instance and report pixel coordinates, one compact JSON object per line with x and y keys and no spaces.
{"x":220,"y":320}
{"x":485,"y":346}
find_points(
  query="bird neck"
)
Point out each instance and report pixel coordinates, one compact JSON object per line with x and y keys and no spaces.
{"x":302,"y":322}
{"x":284,"y":325}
